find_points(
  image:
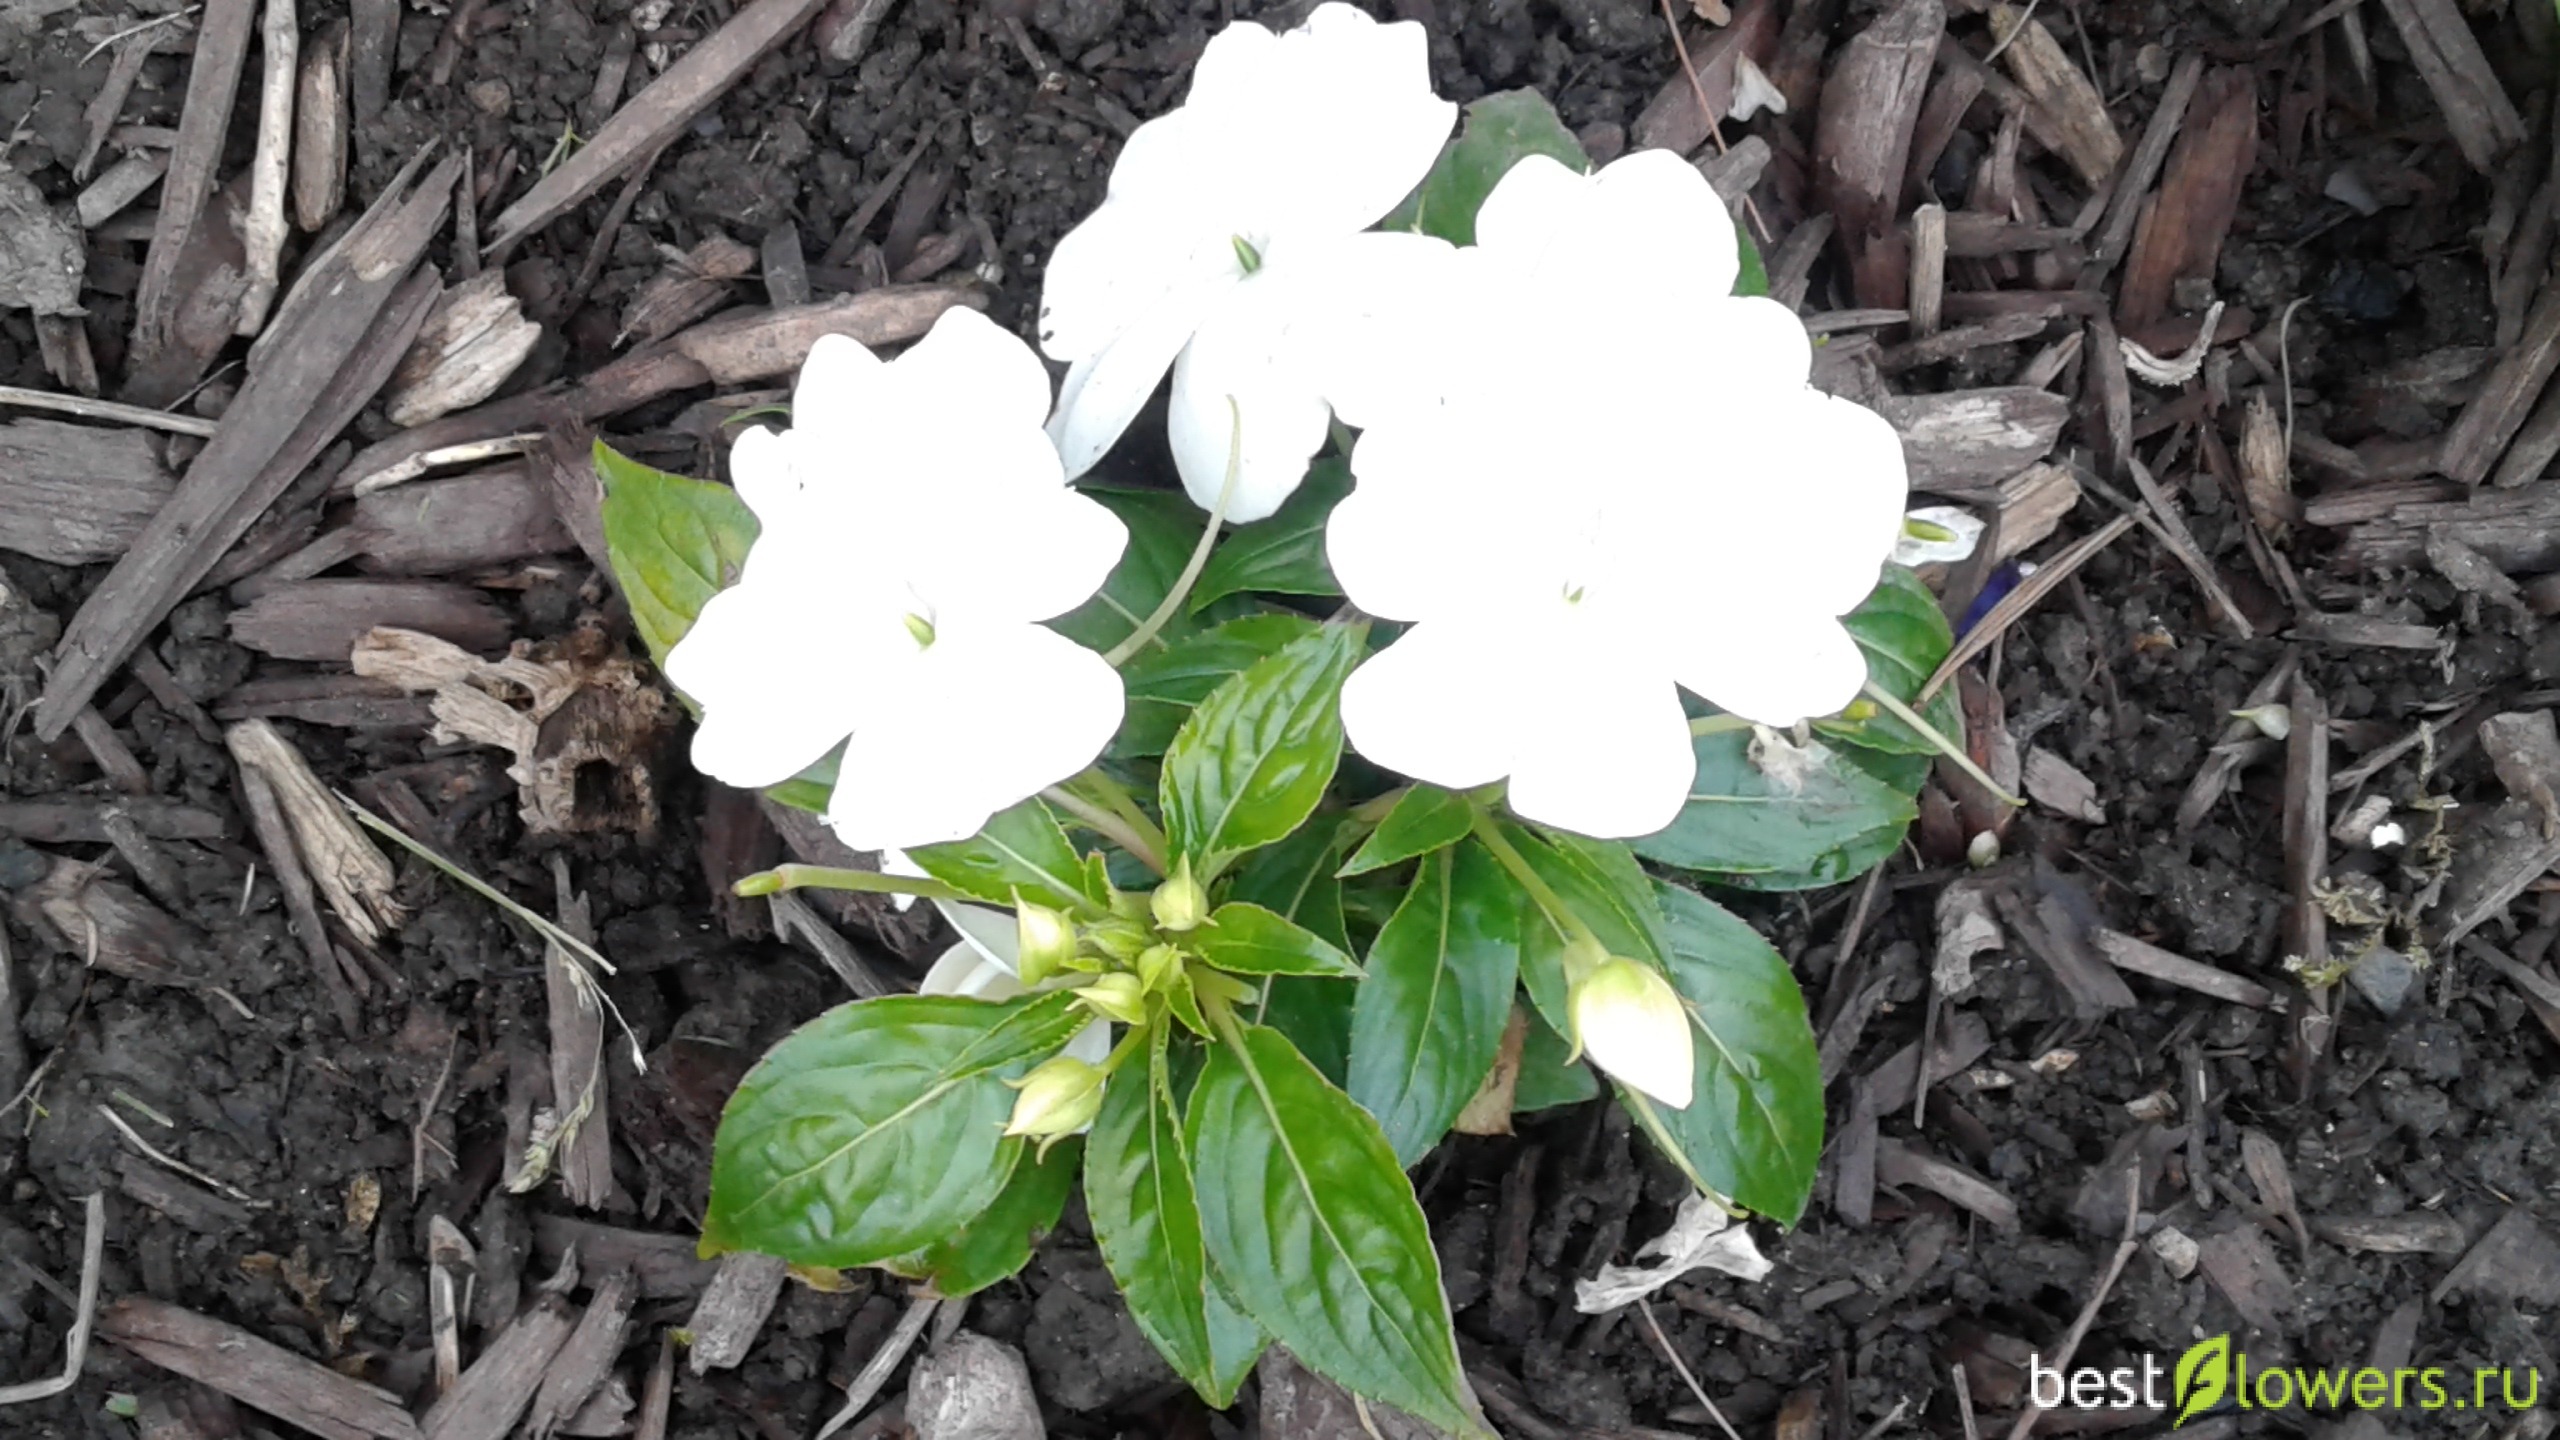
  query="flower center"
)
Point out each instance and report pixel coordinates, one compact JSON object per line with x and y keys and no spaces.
{"x":1246,"y":255}
{"x":921,"y":628}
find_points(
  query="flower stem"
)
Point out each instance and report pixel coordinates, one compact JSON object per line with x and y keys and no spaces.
{"x":1147,"y":629}
{"x":1560,"y":915}
{"x":1716,"y":725}
{"x":1892,"y":705}
{"x":827,"y":877}
{"x":1120,"y":827}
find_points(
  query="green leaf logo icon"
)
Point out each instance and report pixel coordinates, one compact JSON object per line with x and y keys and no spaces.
{"x":2203,"y":1373}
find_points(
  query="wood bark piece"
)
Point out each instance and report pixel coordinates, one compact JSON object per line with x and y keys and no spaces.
{"x":663,"y":1267}
{"x":582,"y":1153}
{"x":122,"y":184}
{"x":656,"y":114}
{"x":344,"y":862}
{"x":498,"y":1386}
{"x":2064,"y":112}
{"x":83,"y":819}
{"x":1964,"y":443}
{"x":262,"y":234}
{"x":112,"y":927}
{"x":473,"y":340}
{"x":373,"y":46}
{"x":459,"y":523}
{"x":2516,"y":530}
{"x":2124,"y":207}
{"x":1671,"y":120}
{"x":1899,"y":1165}
{"x":77,"y":494}
{"x":686,"y":290}
{"x":262,"y":1376}
{"x":213,"y":82}
{"x":323,"y":619}
{"x":275,"y":837}
{"x":320,"y":131}
{"x":2493,"y":417}
{"x":733,"y":1308}
{"x":746,"y":344}
{"x":585,"y":1361}
{"x":2448,"y":57}
{"x":1862,"y":138}
{"x":345,"y":701}
{"x":326,"y":358}
{"x":2144,"y":958}
{"x":2181,"y":230}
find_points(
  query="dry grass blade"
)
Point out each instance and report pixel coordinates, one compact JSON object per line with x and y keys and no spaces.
{"x":2028,"y":594}
{"x":75,"y":1346}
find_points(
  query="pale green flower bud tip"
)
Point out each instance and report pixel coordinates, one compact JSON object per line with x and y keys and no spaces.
{"x":1059,"y":1097}
{"x":1179,"y":903}
{"x":1046,"y":940}
{"x":1116,"y":996}
{"x":920,"y":628}
{"x":2273,"y":721}
{"x":1983,"y":851}
{"x":1630,"y":1020}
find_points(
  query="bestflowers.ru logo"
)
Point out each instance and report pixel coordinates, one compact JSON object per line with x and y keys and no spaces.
{"x":2212,"y":1371}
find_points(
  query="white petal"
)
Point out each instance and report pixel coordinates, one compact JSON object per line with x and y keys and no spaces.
{"x":974,"y":372}
{"x":1772,"y":672}
{"x":1152,"y":240}
{"x":1427,"y":706}
{"x":1526,"y":209}
{"x":1378,"y":307}
{"x":764,"y":472}
{"x":990,"y":934}
{"x":1612,"y":757}
{"x":772,"y":703}
{"x":985,"y":718}
{"x":962,"y":970}
{"x":1106,"y":389}
{"x":1010,"y":553}
{"x":1243,"y":399}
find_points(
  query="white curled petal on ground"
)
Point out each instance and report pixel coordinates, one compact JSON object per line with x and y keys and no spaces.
{"x":1703,"y":1235}
{"x":956,"y":746}
{"x":1963,"y":531}
{"x":1420,"y":706}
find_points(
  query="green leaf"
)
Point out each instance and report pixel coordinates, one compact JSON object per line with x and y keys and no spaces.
{"x":1426,"y":1025}
{"x":1500,"y":131}
{"x":1294,"y":880}
{"x":1163,"y":529}
{"x":1138,"y":1193}
{"x":1835,"y":867}
{"x":1424,"y":819}
{"x":1314,"y":1228}
{"x":1165,"y":683}
{"x":1753,"y":1130}
{"x":1740,"y":821}
{"x":1254,"y":759}
{"x":999,"y":1241}
{"x":877,"y":1128}
{"x":1316,"y":1016}
{"x":1904,"y":635}
{"x":810,"y":789}
{"x":1250,"y":940}
{"x":673,"y":544}
{"x":1598,"y":880}
{"x":1024,"y":849}
{"x":1547,"y":1078}
{"x":1282,"y":554}
{"x":1754,"y":279}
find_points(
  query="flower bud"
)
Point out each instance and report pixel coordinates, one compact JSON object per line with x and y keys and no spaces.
{"x":1632,"y":1024}
{"x":1045,"y":941}
{"x":1122,"y":940}
{"x":2273,"y":721}
{"x":1116,"y":996}
{"x":1179,"y":903}
{"x":1157,"y":965}
{"x":1060,"y":1096}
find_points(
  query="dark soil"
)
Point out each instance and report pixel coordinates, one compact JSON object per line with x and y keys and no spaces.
{"x":2452,"y":1105}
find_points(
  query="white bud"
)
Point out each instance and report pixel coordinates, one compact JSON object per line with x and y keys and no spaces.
{"x":1631,"y":1023}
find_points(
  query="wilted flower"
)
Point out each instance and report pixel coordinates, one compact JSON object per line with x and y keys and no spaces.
{"x":1231,"y":239}
{"x":1604,"y":488}
{"x":1631,"y":1023}
{"x":1059,"y":1097}
{"x":915,"y":530}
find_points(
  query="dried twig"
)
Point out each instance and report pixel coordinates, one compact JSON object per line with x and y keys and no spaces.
{"x":2089,"y":1312}
{"x":262,"y":234}
{"x":88,"y":409}
{"x":354,"y":877}
{"x":75,"y":1346}
{"x":883,"y":1363}
{"x":2019,"y":601}
{"x":1645,"y":1309}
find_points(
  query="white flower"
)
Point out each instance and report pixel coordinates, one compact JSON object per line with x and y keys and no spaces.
{"x":915,"y":530}
{"x":1629,"y":1020}
{"x":1937,"y":534}
{"x":1231,"y":239}
{"x":1611,"y":482}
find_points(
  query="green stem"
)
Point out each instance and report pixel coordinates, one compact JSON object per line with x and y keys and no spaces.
{"x":1892,"y":705}
{"x":1560,"y":915}
{"x":1114,"y":824}
{"x":1130,"y":1039}
{"x":1119,"y":654}
{"x":826,"y":877}
{"x":1716,"y":725}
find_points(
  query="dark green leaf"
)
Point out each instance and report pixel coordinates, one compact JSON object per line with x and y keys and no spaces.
{"x":1754,"y":279}
{"x":1316,"y":1016}
{"x":1547,"y":1078}
{"x":1600,"y":881}
{"x":1020,"y":849}
{"x":999,"y":1241}
{"x":1254,"y":758}
{"x":1424,"y":819}
{"x":1753,"y":1130}
{"x":877,"y":1128}
{"x":1163,"y":529}
{"x":1250,"y":940}
{"x":1904,"y":635}
{"x":1138,"y":1191}
{"x":1314,"y":1228}
{"x":1427,"y":1022}
{"x":1740,"y":821}
{"x":1848,"y":862}
{"x":1282,"y":554}
{"x":1294,"y":880}
{"x":1165,"y":682}
{"x":1500,"y":131}
{"x":673,"y":543}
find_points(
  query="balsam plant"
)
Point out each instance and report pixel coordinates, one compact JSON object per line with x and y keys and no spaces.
{"x":1277,"y":848}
